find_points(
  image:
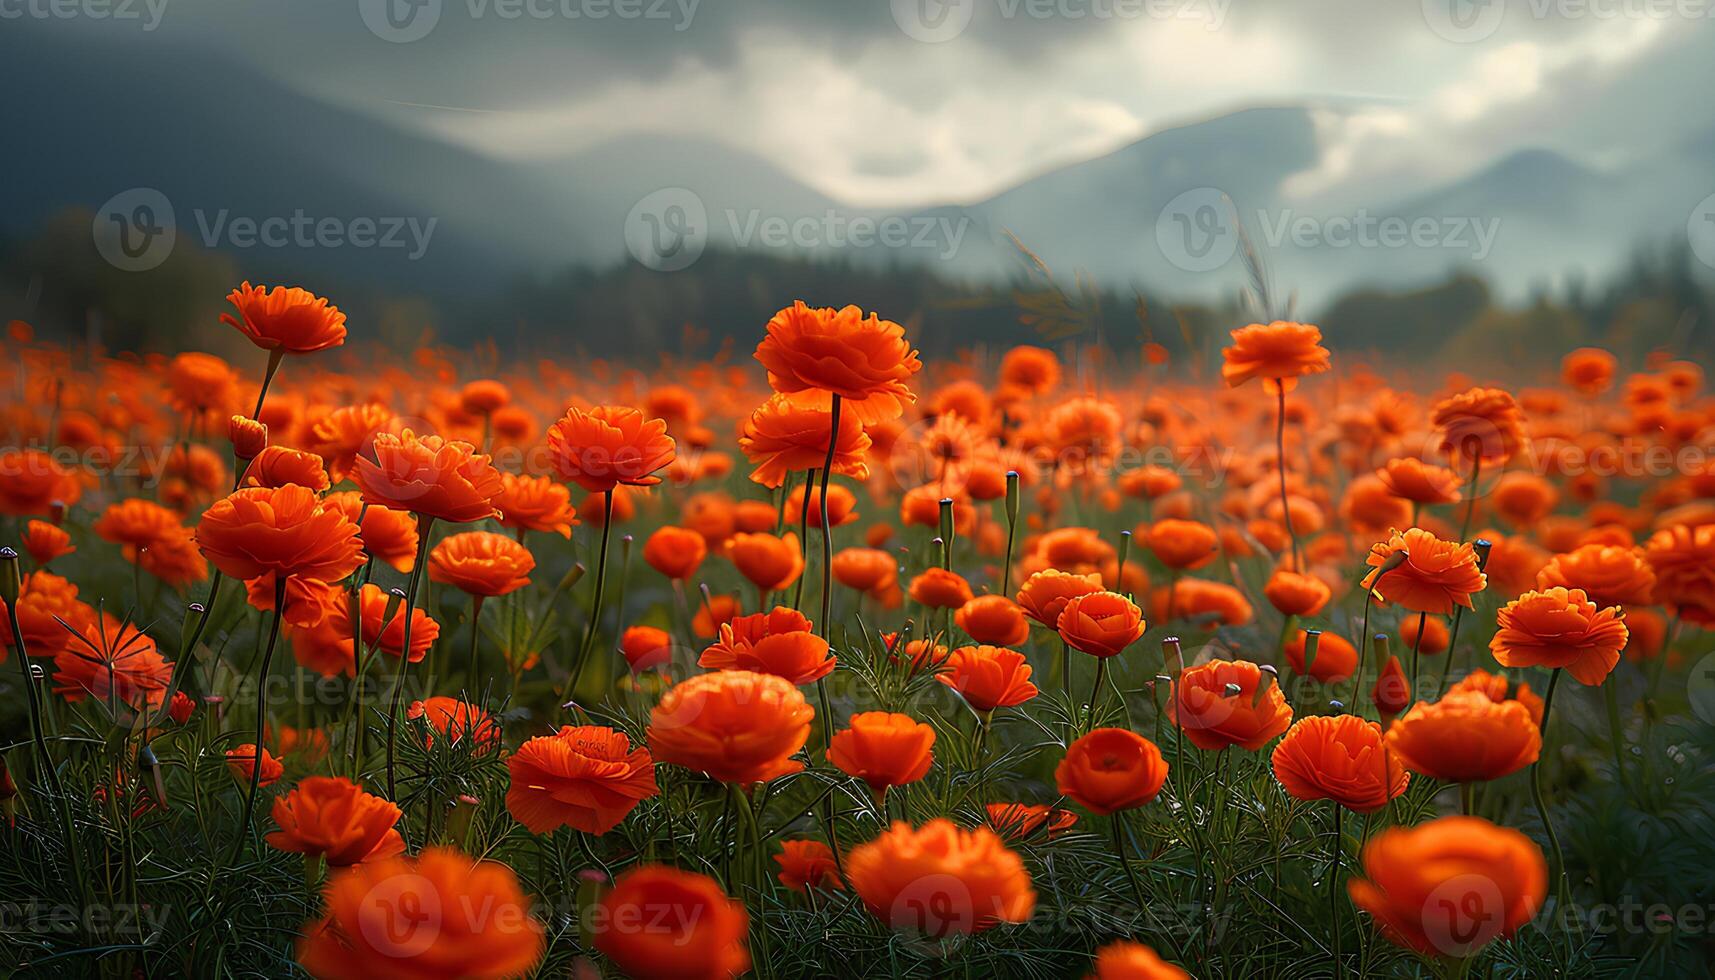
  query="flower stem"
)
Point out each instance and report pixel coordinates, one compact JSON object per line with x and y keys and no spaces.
{"x":571,"y":691}
{"x":1280,"y":467}
{"x":424,"y":525}
{"x":261,"y":715}
{"x":1335,"y":847}
{"x":1557,"y":870}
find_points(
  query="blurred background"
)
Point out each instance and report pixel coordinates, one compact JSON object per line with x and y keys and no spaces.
{"x":1468,"y":181}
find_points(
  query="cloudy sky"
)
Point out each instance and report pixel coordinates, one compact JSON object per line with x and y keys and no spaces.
{"x":906,"y":102}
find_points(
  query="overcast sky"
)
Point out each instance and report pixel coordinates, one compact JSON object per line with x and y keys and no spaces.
{"x":915,"y":101}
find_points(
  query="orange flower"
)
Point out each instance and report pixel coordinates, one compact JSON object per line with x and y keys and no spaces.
{"x":1033,"y":369}
{"x":790,"y":432}
{"x":441,"y":914}
{"x":32,"y":483}
{"x":1101,"y":624}
{"x":1273,"y":352}
{"x":939,"y":588}
{"x":456,"y":721}
{"x":1126,"y":960}
{"x":660,"y":923}
{"x":201,"y":383}
{"x":1495,"y":688}
{"x":1182,"y":544}
{"x":941,"y":880}
{"x":431,"y":476}
{"x":281,"y":532}
{"x":1412,"y":479}
{"x":276,"y":466}
{"x":734,"y":725}
{"x":770,"y":563}
{"x":1588,"y":370}
{"x":110,"y":661}
{"x":336,"y":819}
{"x":1523,"y":498}
{"x":1465,"y":737}
{"x":1450,"y":886}
{"x":1435,"y":576}
{"x":388,"y":631}
{"x":483,"y":396}
{"x":44,"y":542}
{"x":342,"y":434}
{"x":587,"y":778}
{"x":865,"y":569}
{"x":1213,"y":718}
{"x":1045,"y":594}
{"x":864,"y":360}
{"x":778,"y":643}
{"x":535,"y":503}
{"x":609,"y":446}
{"x":675,"y":552}
{"x":389,"y":535}
{"x":1200,"y":599}
{"x":1610,"y":575}
{"x":1111,"y":769}
{"x":713,"y":612}
{"x":883,"y":749}
{"x":1340,"y":758}
{"x":481,"y":563}
{"x":807,"y":864}
{"x":241,"y":762}
{"x":44,"y":600}
{"x":1560,"y":628}
{"x":1479,"y":424}
{"x":1297,"y":595}
{"x":645,"y":647}
{"x":1335,"y":661}
{"x":285,"y":318}
{"x":992,"y":619}
{"x":1391,"y":692}
{"x":1435,"y":636}
{"x":841,"y":504}
{"x":1023,"y":820}
{"x":1684,"y":562}
{"x":988,"y":677}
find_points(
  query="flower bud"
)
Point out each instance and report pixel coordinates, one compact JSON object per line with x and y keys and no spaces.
{"x":249,"y":437}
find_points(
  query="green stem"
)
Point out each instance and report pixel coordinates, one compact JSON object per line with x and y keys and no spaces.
{"x":571,"y":691}
{"x":1280,"y":467}
{"x":261,"y":715}
{"x":424,"y":525}
{"x":1335,"y":847}
{"x":1557,"y":870}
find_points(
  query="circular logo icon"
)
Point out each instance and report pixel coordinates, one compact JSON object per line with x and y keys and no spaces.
{"x":1198,"y":230}
{"x":1462,"y":914}
{"x":134,"y":231}
{"x":401,"y":915}
{"x":931,"y":911}
{"x":1700,"y":688}
{"x":667,"y":230}
{"x":1700,"y":230}
{"x":400,"y":21}
{"x":1464,"y":21}
{"x":933,"y":21}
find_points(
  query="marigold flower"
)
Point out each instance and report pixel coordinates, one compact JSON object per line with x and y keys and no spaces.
{"x":883,"y":749}
{"x":199,"y":383}
{"x":1101,"y":624}
{"x":110,"y":661}
{"x":1111,"y":769}
{"x":992,"y":619}
{"x":1275,"y":351}
{"x":1450,"y":886}
{"x":32,"y":483}
{"x":1182,"y":544}
{"x":431,"y":476}
{"x":387,"y":534}
{"x":1213,"y":718}
{"x":1497,"y":687}
{"x":1435,"y":576}
{"x":1044,"y":595}
{"x":1610,"y":575}
{"x":778,"y":643}
{"x":1023,"y":820}
{"x":1435,"y":636}
{"x":587,"y":778}
{"x":44,"y":542}
{"x":940,"y":880}
{"x":609,"y":446}
{"x":841,"y":505}
{"x":276,"y":466}
{"x":1480,"y":424}
{"x":344,"y":433}
{"x":1340,"y":758}
{"x":1683,"y":559}
{"x":483,"y":396}
{"x":481,"y":563}
{"x":675,"y":552}
{"x":1335,"y":661}
{"x":1465,"y":737}
{"x":1200,"y":599}
{"x":1126,"y":960}
{"x":241,"y":761}
{"x":1588,"y":370}
{"x":440,"y":914}
{"x":281,"y":533}
{"x":1560,"y":628}
{"x":334,"y":818}
{"x":1412,"y":479}
{"x":864,"y":360}
{"x":660,"y":923}
{"x":770,"y":563}
{"x":865,"y":569}
{"x":387,"y":632}
{"x":807,"y":864}
{"x":285,"y":318}
{"x":1297,"y":595}
{"x":535,"y":503}
{"x":734,"y":725}
{"x":456,"y":721}
{"x":645,"y":647}
{"x":790,"y":432}
{"x":939,"y":588}
{"x":713,"y":612}
{"x":1034,"y":369}
{"x":988,"y":677}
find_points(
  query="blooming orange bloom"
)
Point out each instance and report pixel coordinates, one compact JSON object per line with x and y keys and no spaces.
{"x":864,"y":360}
{"x":1111,"y":769}
{"x":992,"y":619}
{"x":1610,"y":575}
{"x":1588,"y":370}
{"x":587,"y":778}
{"x":336,"y":819}
{"x":1200,"y":599}
{"x":807,"y":864}
{"x":790,"y":432}
{"x":110,"y":661}
{"x":940,"y":880}
{"x":1435,"y":576}
{"x":865,"y":569}
{"x":1684,"y":562}
{"x":32,"y":482}
{"x":645,"y":647}
{"x":1023,"y":820}
{"x":1479,"y":424}
{"x":483,"y":396}
{"x":713,"y":612}
{"x":841,"y":504}
{"x":883,"y":749}
{"x":1412,"y":479}
{"x":1035,"y":369}
{"x":1450,"y":886}
{"x":1213,"y":718}
{"x":1465,"y":737}
{"x":609,"y":446}
{"x":1560,"y":628}
{"x":285,"y":318}
{"x":387,"y":534}
{"x":988,"y":677}
{"x":535,"y":503}
{"x":770,"y":563}
{"x":375,"y":927}
{"x":734,"y":725}
{"x":281,"y":533}
{"x":778,"y":643}
{"x":1297,"y":595}
{"x":388,"y":631}
{"x":241,"y":762}
{"x":431,"y":476}
{"x":44,"y":542}
{"x":1335,"y":661}
{"x":675,"y":552}
{"x":1340,"y":758}
{"x":1126,"y":960}
{"x":1044,"y":595}
{"x":660,"y":923}
{"x":1435,"y":636}
{"x":1495,"y":688}
{"x":201,"y":384}
{"x":939,"y":588}
{"x":277,"y":466}
{"x":1183,"y":544}
{"x":1101,"y":624}
{"x":44,"y":600}
{"x":1273,"y":352}
{"x":342,"y":434}
{"x":481,"y":563}
{"x":455,"y":721}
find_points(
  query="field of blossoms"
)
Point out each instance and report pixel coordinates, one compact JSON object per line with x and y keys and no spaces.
{"x":812,"y":657}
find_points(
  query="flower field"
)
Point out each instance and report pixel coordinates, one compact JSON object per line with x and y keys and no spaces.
{"x":815,"y":657}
